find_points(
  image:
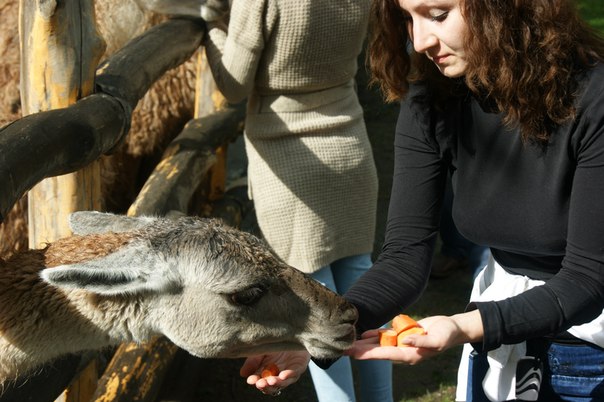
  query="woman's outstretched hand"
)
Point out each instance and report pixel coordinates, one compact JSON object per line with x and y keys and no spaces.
{"x":291,"y":365}
{"x":442,"y":333}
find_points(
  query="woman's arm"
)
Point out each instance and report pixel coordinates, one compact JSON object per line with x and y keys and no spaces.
{"x":401,"y":272}
{"x":234,"y":56}
{"x":442,"y":333}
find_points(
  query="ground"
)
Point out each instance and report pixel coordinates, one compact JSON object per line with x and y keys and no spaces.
{"x":434,"y":380}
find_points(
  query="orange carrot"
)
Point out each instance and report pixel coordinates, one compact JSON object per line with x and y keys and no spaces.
{"x":387,"y":337}
{"x":402,"y":335}
{"x":270,"y":370}
{"x":403,"y":322}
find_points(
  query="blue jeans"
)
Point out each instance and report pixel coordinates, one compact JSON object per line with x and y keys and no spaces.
{"x":375,"y":376}
{"x":573,"y":373}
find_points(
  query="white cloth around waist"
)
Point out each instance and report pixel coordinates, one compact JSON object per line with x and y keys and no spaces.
{"x":499,"y":382}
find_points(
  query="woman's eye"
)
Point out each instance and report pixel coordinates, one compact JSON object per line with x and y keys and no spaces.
{"x":248,"y":296}
{"x":439,"y":17}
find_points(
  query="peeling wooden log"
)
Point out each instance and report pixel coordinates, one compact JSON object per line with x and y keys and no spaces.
{"x":210,"y":100}
{"x":57,"y":142}
{"x":186,"y":162}
{"x":130,"y":72}
{"x":30,"y":148}
{"x":135,"y":373}
{"x":60,"y":49}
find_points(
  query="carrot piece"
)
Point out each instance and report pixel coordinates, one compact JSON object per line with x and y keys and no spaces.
{"x":409,"y":331}
{"x":270,"y":370}
{"x":387,"y":337}
{"x":403,"y":322}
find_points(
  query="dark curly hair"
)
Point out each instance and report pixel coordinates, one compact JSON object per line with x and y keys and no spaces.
{"x":524,"y":55}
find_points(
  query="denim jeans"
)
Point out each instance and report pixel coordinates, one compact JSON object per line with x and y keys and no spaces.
{"x":375,"y":376}
{"x":571,"y":372}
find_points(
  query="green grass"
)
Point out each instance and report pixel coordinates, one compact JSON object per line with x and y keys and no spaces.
{"x":593,"y":12}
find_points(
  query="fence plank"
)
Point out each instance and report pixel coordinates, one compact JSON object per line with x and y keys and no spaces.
{"x":186,"y":162}
{"x":60,"y":49}
{"x":33,"y":148}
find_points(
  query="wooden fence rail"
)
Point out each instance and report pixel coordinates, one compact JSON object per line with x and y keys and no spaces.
{"x":64,"y":140}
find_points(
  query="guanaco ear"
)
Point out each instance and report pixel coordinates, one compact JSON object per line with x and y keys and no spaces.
{"x":88,"y":222}
{"x":131,"y":270}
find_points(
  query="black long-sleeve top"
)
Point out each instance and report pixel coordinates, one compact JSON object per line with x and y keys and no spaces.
{"x":539,"y":208}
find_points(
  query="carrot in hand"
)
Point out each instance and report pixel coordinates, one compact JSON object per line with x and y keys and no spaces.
{"x":402,"y":325}
{"x":270,"y":370}
{"x":415,"y":330}
{"x":403,"y":322}
{"x":387,"y":337}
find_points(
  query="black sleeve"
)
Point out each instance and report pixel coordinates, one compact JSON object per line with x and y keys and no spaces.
{"x":401,"y":272}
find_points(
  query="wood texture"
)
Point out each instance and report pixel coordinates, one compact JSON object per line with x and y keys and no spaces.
{"x":186,"y":163}
{"x":60,"y":49}
{"x":34,"y":147}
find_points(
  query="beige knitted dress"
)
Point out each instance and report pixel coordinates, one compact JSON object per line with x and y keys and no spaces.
{"x":311,"y":171}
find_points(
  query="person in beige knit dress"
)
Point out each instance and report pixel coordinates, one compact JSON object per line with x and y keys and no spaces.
{"x":311,"y":172}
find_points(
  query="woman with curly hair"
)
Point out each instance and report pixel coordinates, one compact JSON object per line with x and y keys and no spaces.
{"x":507,"y":97}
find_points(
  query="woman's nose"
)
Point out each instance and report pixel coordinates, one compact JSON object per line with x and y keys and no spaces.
{"x":423,"y":37}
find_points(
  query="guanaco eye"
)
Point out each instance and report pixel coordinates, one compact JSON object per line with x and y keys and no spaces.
{"x":247,"y":297}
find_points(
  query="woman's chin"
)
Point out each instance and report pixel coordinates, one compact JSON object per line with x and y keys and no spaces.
{"x":452,"y":71}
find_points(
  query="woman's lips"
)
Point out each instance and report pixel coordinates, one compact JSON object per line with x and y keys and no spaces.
{"x":440,"y":59}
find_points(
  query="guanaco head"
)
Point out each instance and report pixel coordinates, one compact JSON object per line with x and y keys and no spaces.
{"x":213,"y":290}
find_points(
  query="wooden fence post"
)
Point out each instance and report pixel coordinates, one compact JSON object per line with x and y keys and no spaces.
{"x":209,"y":100}
{"x":60,"y":50}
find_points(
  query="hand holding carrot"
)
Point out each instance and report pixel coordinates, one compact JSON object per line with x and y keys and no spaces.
{"x":291,"y":366}
{"x":442,"y":333}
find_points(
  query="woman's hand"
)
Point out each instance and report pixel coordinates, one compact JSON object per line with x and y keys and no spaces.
{"x":442,"y":333}
{"x":291,"y":365}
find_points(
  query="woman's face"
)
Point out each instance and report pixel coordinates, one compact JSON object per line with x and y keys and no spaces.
{"x":437,"y":29}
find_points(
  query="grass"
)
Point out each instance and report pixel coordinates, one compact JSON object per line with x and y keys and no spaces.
{"x":593,"y":12}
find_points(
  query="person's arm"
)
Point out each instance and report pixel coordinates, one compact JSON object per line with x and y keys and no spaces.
{"x":401,"y":272}
{"x":442,"y":333}
{"x":234,"y":57}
